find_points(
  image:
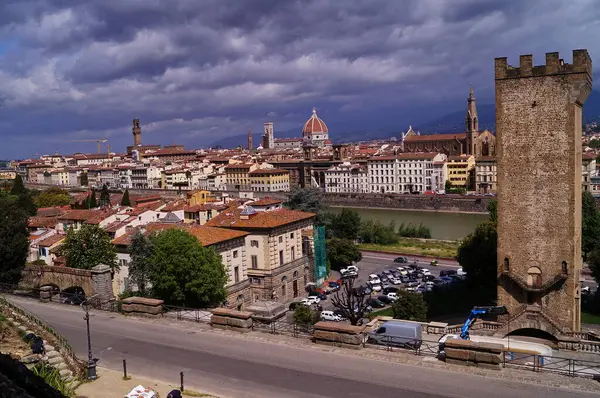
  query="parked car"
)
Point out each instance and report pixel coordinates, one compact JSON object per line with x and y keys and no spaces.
{"x":446,"y":279}
{"x":460,"y":272}
{"x":392,"y":296}
{"x":385,"y":299}
{"x":376,"y":287}
{"x":412,"y":283}
{"x":390,"y":289}
{"x":334,"y":286}
{"x":383,"y":278}
{"x":311,"y":300}
{"x":349,"y":274}
{"x":388,"y":272}
{"x":448,"y":272}
{"x":330,"y":316}
{"x":320,"y":295}
{"x":428,"y":278}
{"x":339,"y":313}
{"x":350,"y":268}
{"x":402,"y":271}
{"x":401,"y":259}
{"x":374,"y":279}
{"x":396,"y":281}
{"x":397,"y":333}
{"x":375,"y":303}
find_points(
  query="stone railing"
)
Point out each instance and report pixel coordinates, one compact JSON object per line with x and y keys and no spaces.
{"x":339,"y":334}
{"x":142,"y":306}
{"x":589,"y":346}
{"x":470,"y":353}
{"x":225,"y":318}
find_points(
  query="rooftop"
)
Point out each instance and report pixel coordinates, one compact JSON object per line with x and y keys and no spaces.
{"x":207,"y":236}
{"x":436,"y":137}
{"x":231,"y":218}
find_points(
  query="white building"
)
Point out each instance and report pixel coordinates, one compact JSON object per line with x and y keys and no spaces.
{"x":407,"y":173}
{"x":346,"y":178}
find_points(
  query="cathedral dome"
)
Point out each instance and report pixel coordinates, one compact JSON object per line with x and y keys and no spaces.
{"x":314,"y":125}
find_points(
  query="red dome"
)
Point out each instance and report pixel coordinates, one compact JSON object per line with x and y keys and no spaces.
{"x":314,"y":125}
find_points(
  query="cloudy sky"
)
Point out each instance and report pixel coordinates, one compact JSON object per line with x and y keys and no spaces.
{"x":195,"y":71}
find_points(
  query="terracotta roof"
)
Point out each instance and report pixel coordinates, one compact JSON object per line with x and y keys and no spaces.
{"x":100,"y":216}
{"x":375,"y":158}
{"x":51,"y":240}
{"x":266,"y":202}
{"x":144,"y":207}
{"x":436,"y":137}
{"x":205,"y":207}
{"x":174,"y":206}
{"x":422,"y":155}
{"x":314,"y":125}
{"x":114,"y":226}
{"x":50,"y":211}
{"x":79,"y":215}
{"x":269,"y":171}
{"x":125,"y":239}
{"x":42,"y":222}
{"x":207,"y":236}
{"x":239,"y":166}
{"x":231,"y":218}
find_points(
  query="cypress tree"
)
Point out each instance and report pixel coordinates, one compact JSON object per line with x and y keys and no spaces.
{"x":125,"y":200}
{"x":92,"y":204}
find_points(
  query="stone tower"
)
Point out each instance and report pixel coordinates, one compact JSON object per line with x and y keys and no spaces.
{"x":539,"y":124}
{"x":472,"y":122}
{"x":250,"y":147}
{"x":269,"y":138}
{"x":137,"y":132}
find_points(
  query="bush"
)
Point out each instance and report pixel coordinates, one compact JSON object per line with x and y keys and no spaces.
{"x":414,"y":231}
{"x":304,"y":316}
{"x":376,"y":232}
{"x":410,"y":306}
{"x":52,"y":377}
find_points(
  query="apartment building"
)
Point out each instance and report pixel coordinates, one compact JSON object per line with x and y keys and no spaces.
{"x":406,"y":173}
{"x":269,"y":180}
{"x":346,"y":178}
{"x":485,"y":174}
{"x":237,"y":176}
{"x":461,"y":171}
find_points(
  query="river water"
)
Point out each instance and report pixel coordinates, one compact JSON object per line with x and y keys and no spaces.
{"x":447,"y":226}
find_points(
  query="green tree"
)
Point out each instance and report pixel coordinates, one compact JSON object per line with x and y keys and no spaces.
{"x":104,"y":197}
{"x":492,"y":209}
{"x":593,"y":261}
{"x":410,"y":306}
{"x":448,"y":186}
{"x":53,"y":197}
{"x":590,"y":223}
{"x":477,"y":254}
{"x":91,"y":202}
{"x":88,"y":247}
{"x":84,"y":179}
{"x":305,"y":316}
{"x":345,"y":225}
{"x":125,"y":200}
{"x":141,"y":255}
{"x":307,"y":199}
{"x":341,"y":253}
{"x":18,"y":187}
{"x":14,"y":239}
{"x":185,"y":273}
{"x":377,"y":233}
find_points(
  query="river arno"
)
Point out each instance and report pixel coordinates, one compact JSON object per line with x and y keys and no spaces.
{"x":443,"y":225}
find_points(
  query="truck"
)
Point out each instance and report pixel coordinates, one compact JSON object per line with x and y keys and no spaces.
{"x":397,"y":333}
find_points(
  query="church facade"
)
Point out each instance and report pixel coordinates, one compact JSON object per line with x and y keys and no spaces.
{"x":471,"y":142}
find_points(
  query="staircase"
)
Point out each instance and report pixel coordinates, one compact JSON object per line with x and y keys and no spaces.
{"x":523,"y":283}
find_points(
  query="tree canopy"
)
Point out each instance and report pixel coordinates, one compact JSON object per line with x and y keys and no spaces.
{"x":91,"y":201}
{"x":18,"y":187}
{"x":590,"y":223}
{"x":14,"y":238}
{"x":125,"y":200}
{"x":104,"y":197}
{"x":185,"y":273}
{"x":341,"y":253}
{"x":54,"y":196}
{"x":83,"y":179}
{"x":351,"y":301}
{"x":88,"y":247}
{"x":376,"y":232}
{"x":141,"y":251}
{"x":344,"y":225}
{"x":410,"y":306}
{"x":307,"y":199}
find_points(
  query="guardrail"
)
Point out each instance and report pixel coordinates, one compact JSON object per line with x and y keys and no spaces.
{"x":541,"y":363}
{"x":187,"y":314}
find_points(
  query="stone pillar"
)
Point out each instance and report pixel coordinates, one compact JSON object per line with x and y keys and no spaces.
{"x":102,"y":284}
{"x":45,"y":293}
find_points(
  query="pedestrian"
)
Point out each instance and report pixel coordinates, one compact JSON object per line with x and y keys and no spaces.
{"x":174,"y":394}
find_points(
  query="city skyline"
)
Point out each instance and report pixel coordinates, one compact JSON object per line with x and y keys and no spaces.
{"x":194,"y":72}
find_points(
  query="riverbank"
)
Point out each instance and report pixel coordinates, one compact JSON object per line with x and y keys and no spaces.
{"x":417,"y":247}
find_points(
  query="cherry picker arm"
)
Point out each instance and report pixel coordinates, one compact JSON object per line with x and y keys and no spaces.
{"x":477,"y":312}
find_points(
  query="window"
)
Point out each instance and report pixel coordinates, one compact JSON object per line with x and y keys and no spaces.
{"x":253,"y":243}
{"x":254,"y":260}
{"x":292,"y":235}
{"x":236,"y":274}
{"x":235,"y":254}
{"x":126,"y":283}
{"x":565,"y":268}
{"x":292,"y":253}
{"x":281,"y":239}
{"x":506,"y":265}
{"x":280,"y":257}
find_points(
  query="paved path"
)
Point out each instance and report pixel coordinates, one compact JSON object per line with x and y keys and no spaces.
{"x":231,"y":366}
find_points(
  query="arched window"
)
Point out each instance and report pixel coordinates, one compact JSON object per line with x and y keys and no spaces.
{"x":506,"y":264}
{"x":295,"y":276}
{"x":565,"y":267}
{"x":534,"y":277}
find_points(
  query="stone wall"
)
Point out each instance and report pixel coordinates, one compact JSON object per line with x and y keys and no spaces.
{"x":470,"y":353}
{"x":142,"y":306}
{"x":224,"y":318}
{"x":339,"y":334}
{"x":450,"y":203}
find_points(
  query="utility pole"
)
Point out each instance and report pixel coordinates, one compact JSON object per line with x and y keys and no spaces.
{"x":91,"y":365}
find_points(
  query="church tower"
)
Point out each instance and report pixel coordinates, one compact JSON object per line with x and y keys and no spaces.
{"x":137,"y":132}
{"x":269,"y":141}
{"x":472,"y":122}
{"x":250,"y":146}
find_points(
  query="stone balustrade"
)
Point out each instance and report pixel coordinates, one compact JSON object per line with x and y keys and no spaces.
{"x":587,"y":346}
{"x":470,"y":353}
{"x":225,"y":318}
{"x":142,"y":306}
{"x":339,"y":334}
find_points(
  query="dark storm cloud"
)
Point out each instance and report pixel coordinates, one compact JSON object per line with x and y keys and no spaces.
{"x":190,"y":68}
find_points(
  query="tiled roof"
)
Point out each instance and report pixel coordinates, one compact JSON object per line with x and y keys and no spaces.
{"x":50,"y":211}
{"x":114,"y":226}
{"x":422,"y":155}
{"x":239,"y":166}
{"x":42,"y":222}
{"x":100,"y":216}
{"x":207,"y":236}
{"x":205,"y":207}
{"x":173,"y":206}
{"x":144,"y":207}
{"x":269,"y":171}
{"x":51,"y":240}
{"x":231,"y":218}
{"x":436,"y":137}
{"x":79,"y":214}
{"x":266,"y":202}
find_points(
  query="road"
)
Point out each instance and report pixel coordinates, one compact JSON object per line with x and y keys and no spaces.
{"x":232,"y":366}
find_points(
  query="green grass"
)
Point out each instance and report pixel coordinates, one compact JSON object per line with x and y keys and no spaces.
{"x":590,"y":318}
{"x":413,"y":246}
{"x":384,"y":312}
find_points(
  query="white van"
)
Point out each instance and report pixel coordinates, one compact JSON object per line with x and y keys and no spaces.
{"x":374,"y":279}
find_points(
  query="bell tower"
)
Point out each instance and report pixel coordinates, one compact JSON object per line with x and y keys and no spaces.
{"x":137,"y":132}
{"x":472,"y":122}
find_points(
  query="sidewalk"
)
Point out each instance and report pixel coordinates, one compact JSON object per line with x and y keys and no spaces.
{"x":110,"y":384}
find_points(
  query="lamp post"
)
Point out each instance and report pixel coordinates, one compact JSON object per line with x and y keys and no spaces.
{"x":91,"y":365}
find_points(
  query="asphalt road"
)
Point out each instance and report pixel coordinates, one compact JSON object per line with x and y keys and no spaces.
{"x":231,"y":366}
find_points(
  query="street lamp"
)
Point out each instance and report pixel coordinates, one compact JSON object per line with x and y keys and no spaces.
{"x":91,"y":365}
